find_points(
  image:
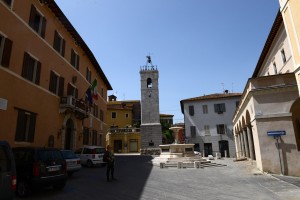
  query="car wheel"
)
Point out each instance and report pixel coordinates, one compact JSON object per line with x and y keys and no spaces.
{"x":23,"y":188}
{"x":59,"y":186}
{"x":89,"y":163}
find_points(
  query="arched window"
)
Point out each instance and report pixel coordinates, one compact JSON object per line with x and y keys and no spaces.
{"x":149,"y":83}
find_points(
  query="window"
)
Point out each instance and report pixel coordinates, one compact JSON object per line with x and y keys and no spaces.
{"x":102,"y":92}
{"x":220,"y":108}
{"x":206,"y":130}
{"x":114,"y":115}
{"x":101,"y":116}
{"x":221,"y":128}
{"x":37,"y":22}
{"x":25,"y":126}
{"x":88,"y":75}
{"x":283,"y":56}
{"x":95,"y":110}
{"x":191,"y":110}
{"x":275,"y":68}
{"x":5,"y":51}
{"x":56,"y":84}
{"x":126,"y":115}
{"x":8,"y":2}
{"x":74,"y":59}
{"x":205,"y":110}
{"x":193,"y":131}
{"x":59,"y":44}
{"x":31,"y":69}
{"x":85,"y":136}
{"x":94,"y":137}
{"x":237,"y":104}
{"x":149,"y":83}
{"x":72,"y":91}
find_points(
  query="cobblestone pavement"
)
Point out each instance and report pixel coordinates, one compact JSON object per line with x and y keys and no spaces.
{"x":138,"y":179}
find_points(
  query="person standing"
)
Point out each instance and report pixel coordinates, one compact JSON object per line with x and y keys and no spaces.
{"x":109,"y":158}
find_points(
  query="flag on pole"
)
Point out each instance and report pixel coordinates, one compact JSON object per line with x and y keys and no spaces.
{"x":94,"y":90}
{"x":88,"y":95}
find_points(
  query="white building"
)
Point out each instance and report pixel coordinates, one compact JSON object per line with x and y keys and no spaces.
{"x":269,"y":105}
{"x":208,"y":122}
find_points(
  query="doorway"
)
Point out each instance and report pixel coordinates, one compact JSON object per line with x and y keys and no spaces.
{"x":223,"y":146}
{"x":69,"y":134}
{"x":208,"y":149}
{"x":118,"y":146}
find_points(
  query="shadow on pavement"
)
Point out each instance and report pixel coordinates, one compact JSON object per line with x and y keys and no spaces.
{"x":131,"y":172}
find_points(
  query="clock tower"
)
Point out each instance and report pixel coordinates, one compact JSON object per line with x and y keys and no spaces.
{"x":151,"y":133}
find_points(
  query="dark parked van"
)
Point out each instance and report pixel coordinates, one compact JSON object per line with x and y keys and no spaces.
{"x":39,"y":166}
{"x":8,"y":179}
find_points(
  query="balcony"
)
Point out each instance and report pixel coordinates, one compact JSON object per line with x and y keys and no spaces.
{"x":124,"y":130}
{"x":70,"y":104}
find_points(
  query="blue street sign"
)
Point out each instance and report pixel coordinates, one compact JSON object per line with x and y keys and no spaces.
{"x":276,"y":133}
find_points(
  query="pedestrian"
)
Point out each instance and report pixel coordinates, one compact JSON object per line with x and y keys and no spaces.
{"x":109,"y":158}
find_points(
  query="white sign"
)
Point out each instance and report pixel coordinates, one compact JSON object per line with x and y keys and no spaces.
{"x":3,"y":104}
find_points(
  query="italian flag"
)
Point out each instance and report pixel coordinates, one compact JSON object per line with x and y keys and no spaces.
{"x":94,"y":90}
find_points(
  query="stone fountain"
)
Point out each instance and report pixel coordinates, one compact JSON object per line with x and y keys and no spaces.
{"x":176,"y":152}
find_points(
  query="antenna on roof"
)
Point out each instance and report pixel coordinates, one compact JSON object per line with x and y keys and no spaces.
{"x":222,"y":87}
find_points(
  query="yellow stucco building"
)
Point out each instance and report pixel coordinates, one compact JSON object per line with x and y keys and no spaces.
{"x":123,"y":119}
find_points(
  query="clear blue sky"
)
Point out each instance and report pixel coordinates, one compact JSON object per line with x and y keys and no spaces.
{"x":196,"y":44}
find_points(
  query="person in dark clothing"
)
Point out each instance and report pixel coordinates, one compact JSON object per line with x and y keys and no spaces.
{"x":109,"y":158}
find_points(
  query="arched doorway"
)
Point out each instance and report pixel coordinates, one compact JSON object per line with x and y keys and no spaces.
{"x":295,"y":110}
{"x":69,"y":134}
{"x":223,"y":146}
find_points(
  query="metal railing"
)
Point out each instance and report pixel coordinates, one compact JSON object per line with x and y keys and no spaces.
{"x":124,"y":130}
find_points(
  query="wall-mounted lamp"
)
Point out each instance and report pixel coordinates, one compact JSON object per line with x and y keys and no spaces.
{"x":59,"y":132}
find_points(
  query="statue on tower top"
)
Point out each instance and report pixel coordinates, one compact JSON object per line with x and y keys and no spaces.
{"x":149,"y":59}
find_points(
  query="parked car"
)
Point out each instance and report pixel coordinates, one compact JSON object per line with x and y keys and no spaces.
{"x":72,"y":160}
{"x":37,"y":167}
{"x":8,"y":174}
{"x":91,"y":155}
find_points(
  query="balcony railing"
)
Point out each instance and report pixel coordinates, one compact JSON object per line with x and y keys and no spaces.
{"x":124,"y":130}
{"x":77,"y":106}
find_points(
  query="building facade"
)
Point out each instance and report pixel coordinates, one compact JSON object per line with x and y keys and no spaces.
{"x":270,"y":105}
{"x":208,"y":123}
{"x":123,"y":119}
{"x":151,"y":133}
{"x":46,"y":72}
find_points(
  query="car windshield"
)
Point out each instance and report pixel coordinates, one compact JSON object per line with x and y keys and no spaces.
{"x":68,"y":154}
{"x":49,"y":155}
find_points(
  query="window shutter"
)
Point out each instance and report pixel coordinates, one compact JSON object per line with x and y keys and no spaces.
{"x":61,"y":87}
{"x":72,"y":57}
{"x":38,"y":73}
{"x":56,"y":41}
{"x":20,"y":126}
{"x":31,"y":127}
{"x":63,"y":48}
{"x":32,"y":16}
{"x":77,"y":64}
{"x":69,"y":90}
{"x":25,"y":64}
{"x":6,"y":52}
{"x":51,"y":83}
{"x":76,"y":93}
{"x":43,"y":27}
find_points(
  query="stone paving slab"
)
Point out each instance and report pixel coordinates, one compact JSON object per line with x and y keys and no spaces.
{"x":138,"y":179}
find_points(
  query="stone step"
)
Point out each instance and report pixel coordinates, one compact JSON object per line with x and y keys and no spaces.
{"x":190,"y":165}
